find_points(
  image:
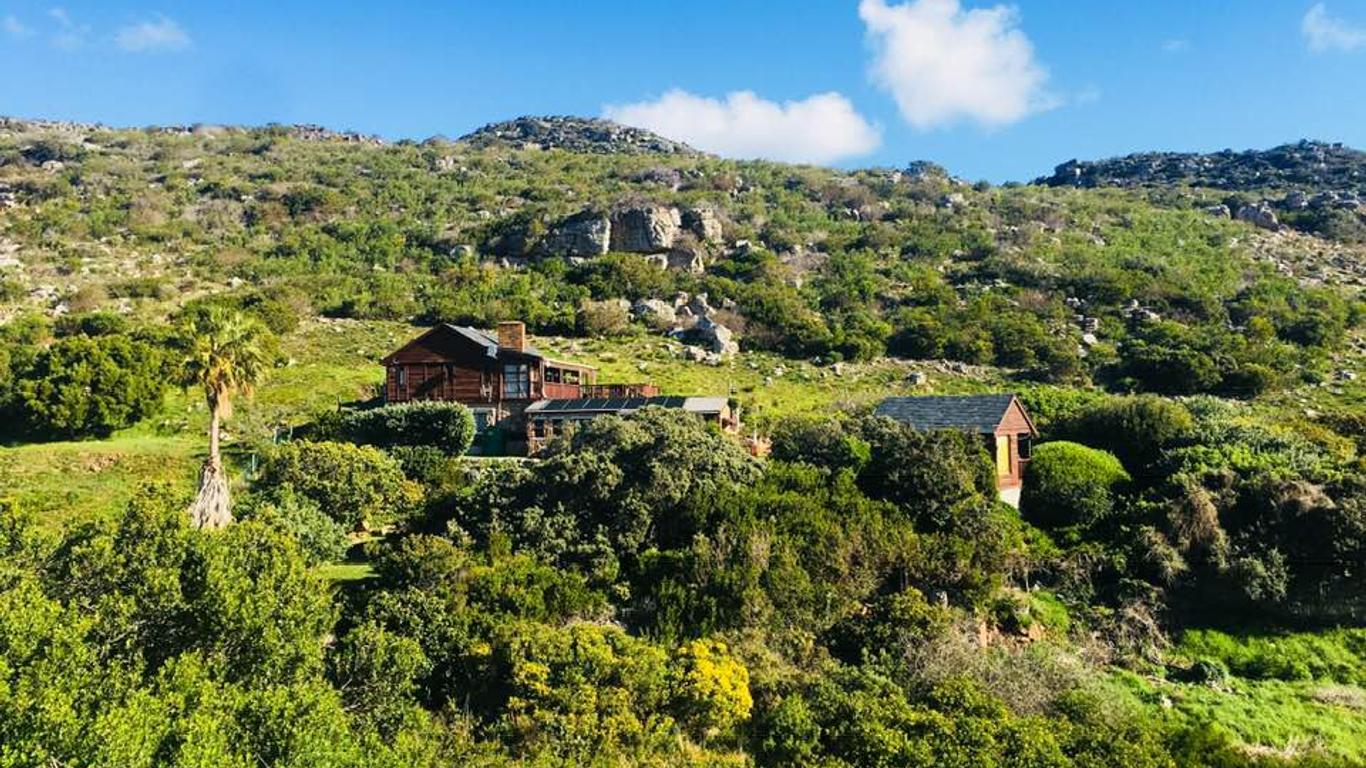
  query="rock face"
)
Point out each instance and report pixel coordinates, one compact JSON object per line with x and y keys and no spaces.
{"x":645,"y":229}
{"x":575,"y":134}
{"x":582,"y":235}
{"x":1259,"y":215}
{"x":1303,"y":165}
{"x":703,"y":223}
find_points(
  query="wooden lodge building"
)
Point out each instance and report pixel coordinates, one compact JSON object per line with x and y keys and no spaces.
{"x":505,"y":382}
{"x":1001,"y":420}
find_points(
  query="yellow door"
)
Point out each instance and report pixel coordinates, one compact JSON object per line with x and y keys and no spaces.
{"x":1002,"y":456}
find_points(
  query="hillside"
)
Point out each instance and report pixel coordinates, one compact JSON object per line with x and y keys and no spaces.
{"x":1317,"y":187}
{"x":1181,"y":586}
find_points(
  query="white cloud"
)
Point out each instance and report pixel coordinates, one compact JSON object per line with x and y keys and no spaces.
{"x":1328,"y":33}
{"x":1176,"y":45}
{"x":69,"y":35}
{"x":14,"y":27}
{"x":943,"y":64}
{"x":818,"y":129}
{"x":161,"y":34}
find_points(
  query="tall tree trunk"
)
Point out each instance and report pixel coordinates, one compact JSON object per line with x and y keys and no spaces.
{"x":212,"y":508}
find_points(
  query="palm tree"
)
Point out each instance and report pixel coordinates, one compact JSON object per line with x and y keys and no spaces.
{"x":225,"y":355}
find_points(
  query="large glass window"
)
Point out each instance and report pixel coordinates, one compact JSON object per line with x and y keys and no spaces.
{"x":516,"y":380}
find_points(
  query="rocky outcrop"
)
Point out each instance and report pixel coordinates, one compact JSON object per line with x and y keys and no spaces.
{"x":582,"y":235}
{"x":668,"y":236}
{"x":1303,"y":165}
{"x":704,"y":223}
{"x":573,"y":134}
{"x":1259,"y":215}
{"x":646,"y":228}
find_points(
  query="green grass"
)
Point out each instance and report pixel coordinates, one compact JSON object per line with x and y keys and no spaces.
{"x":1288,"y":694}
{"x":1336,"y":655}
{"x":68,"y":481}
{"x":1267,"y":716}
{"x":346,"y":572}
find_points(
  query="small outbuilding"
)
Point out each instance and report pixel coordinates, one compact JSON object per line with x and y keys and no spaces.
{"x":1000,"y":419}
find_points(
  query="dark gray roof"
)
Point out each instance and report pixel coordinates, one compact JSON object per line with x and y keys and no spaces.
{"x":487,"y":341}
{"x":980,"y":413}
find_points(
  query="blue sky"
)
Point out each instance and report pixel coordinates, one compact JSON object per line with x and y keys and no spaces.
{"x":989,"y":90}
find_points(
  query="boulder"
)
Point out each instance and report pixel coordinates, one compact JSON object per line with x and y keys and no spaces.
{"x":700,"y":306}
{"x":717,"y":337}
{"x":1259,"y":215}
{"x":684,"y":260}
{"x":1295,"y":201}
{"x":694,"y":353}
{"x":1221,"y":211}
{"x":583,"y":234}
{"x":645,"y":229}
{"x":655,"y":312}
{"x":703,"y":223}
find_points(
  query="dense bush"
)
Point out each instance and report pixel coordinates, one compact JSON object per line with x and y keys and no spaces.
{"x":820,"y":442}
{"x":354,"y":485}
{"x":1069,"y":484}
{"x":320,"y":538}
{"x":87,"y":387}
{"x":1133,"y":428}
{"x":443,"y":425}
{"x":938,"y":478}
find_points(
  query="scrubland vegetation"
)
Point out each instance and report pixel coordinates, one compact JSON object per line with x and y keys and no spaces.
{"x":1181,"y":586}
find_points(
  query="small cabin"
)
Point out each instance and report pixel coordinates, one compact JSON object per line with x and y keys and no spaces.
{"x":547,"y":418}
{"x":1000,"y":419}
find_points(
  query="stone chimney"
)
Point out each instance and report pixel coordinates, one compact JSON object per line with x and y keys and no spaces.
{"x":512,"y":335}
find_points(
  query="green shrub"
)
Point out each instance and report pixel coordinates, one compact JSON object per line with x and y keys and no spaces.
{"x":90,"y":324}
{"x":1069,"y":484}
{"x":321,"y":538}
{"x":821,"y":442}
{"x":447,"y":426}
{"x":428,"y":465}
{"x":934,"y":477}
{"x":1132,"y":428}
{"x":1212,"y":672}
{"x":84,"y":387}
{"x":355,"y":485}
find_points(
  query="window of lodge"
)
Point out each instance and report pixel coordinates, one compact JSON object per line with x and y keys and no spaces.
{"x":516,"y":380}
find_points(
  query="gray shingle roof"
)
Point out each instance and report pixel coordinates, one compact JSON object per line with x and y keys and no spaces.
{"x":980,"y":413}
